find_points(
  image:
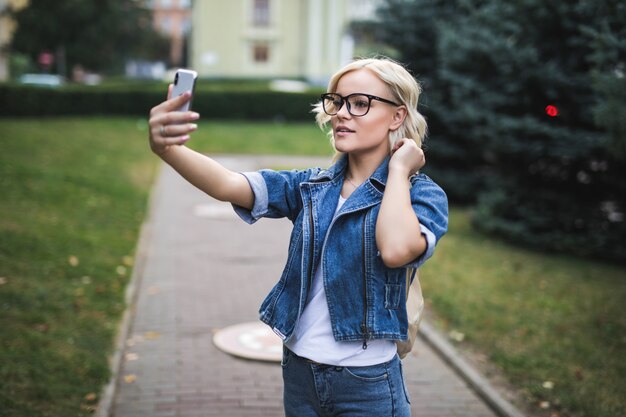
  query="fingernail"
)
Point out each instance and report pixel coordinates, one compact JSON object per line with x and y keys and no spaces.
{"x":193,"y":126}
{"x":184,"y":139}
{"x":194,"y":116}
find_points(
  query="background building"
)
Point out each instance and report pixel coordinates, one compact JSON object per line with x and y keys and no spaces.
{"x":173,"y":19}
{"x":304,"y":39}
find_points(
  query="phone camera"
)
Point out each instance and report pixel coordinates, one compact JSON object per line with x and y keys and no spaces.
{"x":176,"y":79}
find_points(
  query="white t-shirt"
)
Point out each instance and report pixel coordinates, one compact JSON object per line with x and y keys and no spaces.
{"x":313,"y":338}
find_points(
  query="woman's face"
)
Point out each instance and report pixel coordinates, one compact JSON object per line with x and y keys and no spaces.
{"x":369,"y":133}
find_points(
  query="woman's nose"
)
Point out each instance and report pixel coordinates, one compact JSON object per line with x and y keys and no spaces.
{"x":343,"y":111}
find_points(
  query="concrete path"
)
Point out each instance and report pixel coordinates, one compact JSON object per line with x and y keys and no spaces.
{"x":199,"y":269}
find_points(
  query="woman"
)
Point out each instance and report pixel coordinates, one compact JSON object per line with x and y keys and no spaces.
{"x":339,"y":305}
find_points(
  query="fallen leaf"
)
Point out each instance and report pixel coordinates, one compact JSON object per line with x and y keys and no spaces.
{"x":152,"y":335}
{"x":544,"y":405}
{"x":92,"y":396}
{"x":86,"y":280}
{"x":129,"y":379}
{"x":456,"y":335}
{"x":548,"y":384}
{"x":73,"y":260}
{"x":128,"y":260}
{"x":132,"y":356}
{"x":121,"y":270}
{"x":79,"y":292}
{"x":3,"y":280}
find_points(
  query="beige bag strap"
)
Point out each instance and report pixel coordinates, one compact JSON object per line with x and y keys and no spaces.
{"x":414,"y":298}
{"x":414,"y":309}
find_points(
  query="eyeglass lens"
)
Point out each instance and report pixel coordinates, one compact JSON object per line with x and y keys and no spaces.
{"x":358,"y":104}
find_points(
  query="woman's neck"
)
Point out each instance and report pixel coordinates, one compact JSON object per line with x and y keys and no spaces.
{"x":361,"y":167}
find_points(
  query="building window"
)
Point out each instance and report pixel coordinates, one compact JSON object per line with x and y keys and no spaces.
{"x":261,"y":13}
{"x":261,"y":53}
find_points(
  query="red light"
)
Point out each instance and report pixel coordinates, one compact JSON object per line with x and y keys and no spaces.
{"x":552,"y":111}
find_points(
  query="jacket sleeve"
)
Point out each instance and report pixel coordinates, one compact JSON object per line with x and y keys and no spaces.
{"x":430,"y":204}
{"x":276,"y":194}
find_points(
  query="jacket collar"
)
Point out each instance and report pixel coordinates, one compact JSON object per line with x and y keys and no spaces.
{"x":338,"y":169}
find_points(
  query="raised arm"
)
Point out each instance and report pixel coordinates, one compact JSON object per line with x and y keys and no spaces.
{"x":170,"y":130}
{"x":398,"y":232}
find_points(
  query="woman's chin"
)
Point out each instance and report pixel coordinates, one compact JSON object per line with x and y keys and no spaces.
{"x":343,"y":145}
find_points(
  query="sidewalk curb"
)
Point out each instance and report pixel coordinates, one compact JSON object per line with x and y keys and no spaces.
{"x":107,"y":395}
{"x":475,"y":380}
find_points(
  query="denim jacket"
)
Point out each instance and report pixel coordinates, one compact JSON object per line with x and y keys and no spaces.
{"x":366,"y":299}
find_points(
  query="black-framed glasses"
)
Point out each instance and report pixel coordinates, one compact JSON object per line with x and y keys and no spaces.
{"x":358,"y":104}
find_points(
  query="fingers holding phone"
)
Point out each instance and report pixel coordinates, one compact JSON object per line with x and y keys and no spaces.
{"x":168,"y":126}
{"x":170,"y":121}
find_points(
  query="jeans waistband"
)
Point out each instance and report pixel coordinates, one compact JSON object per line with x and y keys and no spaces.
{"x":307,"y":360}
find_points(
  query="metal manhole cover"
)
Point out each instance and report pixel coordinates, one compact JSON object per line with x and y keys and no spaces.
{"x":253,"y":340}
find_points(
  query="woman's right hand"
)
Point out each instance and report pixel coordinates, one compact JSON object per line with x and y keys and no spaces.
{"x":169,"y":127}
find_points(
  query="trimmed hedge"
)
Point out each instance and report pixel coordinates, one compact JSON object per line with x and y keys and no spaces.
{"x":19,"y":101}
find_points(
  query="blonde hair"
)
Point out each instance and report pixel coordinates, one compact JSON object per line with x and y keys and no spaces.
{"x":403,"y":87}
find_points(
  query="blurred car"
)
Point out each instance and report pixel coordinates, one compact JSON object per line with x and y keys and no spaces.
{"x":42,"y":80}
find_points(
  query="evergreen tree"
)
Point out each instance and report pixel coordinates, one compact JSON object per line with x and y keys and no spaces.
{"x":608,"y":42}
{"x":519,"y":78}
{"x":412,"y":27}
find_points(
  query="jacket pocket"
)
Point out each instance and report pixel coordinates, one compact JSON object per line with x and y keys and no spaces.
{"x":393,"y":296}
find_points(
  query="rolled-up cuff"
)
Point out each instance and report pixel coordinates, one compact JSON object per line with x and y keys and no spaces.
{"x":431,"y":241}
{"x":259,"y":189}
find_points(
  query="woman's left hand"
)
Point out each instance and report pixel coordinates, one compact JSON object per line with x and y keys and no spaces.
{"x":407,"y":156}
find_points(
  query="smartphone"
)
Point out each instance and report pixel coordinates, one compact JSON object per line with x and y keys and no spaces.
{"x":184,"y":80}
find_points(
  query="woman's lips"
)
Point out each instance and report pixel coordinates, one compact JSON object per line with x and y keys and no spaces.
{"x":343,"y":131}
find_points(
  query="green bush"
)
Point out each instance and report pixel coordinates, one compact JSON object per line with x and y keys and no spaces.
{"x":72,"y":101}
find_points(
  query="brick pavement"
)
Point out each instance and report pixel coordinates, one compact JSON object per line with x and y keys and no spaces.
{"x":204,"y":270}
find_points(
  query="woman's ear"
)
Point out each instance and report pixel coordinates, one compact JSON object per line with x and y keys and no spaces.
{"x":398,"y":117}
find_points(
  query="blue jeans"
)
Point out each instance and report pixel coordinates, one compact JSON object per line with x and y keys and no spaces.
{"x":318,"y":390}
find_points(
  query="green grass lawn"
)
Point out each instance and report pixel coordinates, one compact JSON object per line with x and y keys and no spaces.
{"x":74,"y":194}
{"x":261,"y":137}
{"x":554,"y":324}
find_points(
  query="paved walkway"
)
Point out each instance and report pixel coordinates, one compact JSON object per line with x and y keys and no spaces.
{"x":200,"y":269}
